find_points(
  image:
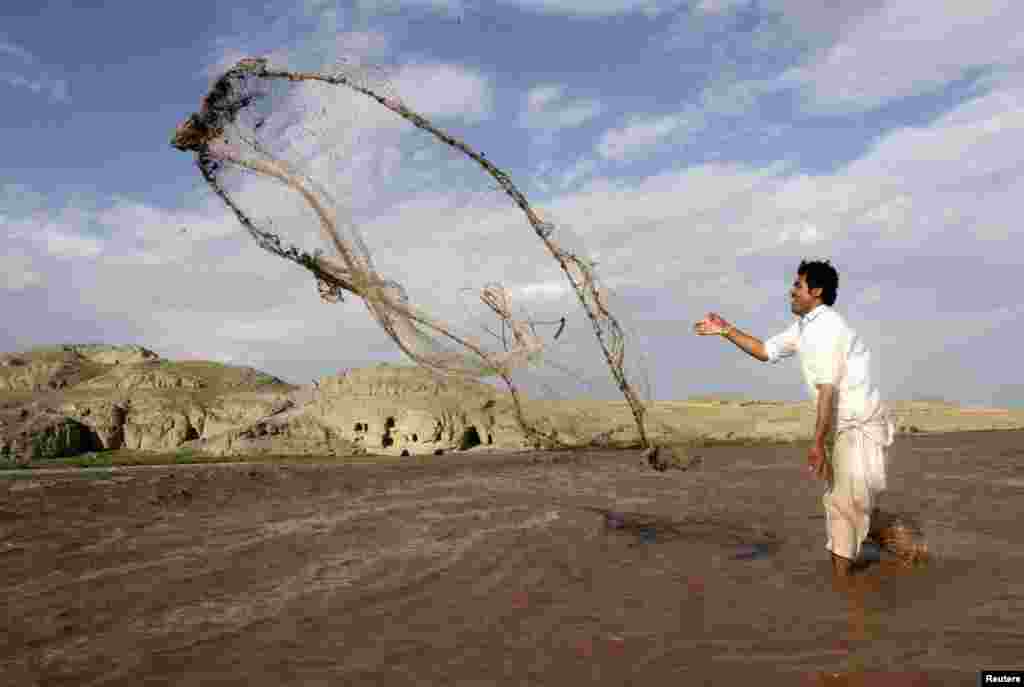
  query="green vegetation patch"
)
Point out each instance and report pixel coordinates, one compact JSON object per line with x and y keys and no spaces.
{"x":186,"y":456}
{"x":91,"y":459}
{"x":14,"y":476}
{"x":9,"y":463}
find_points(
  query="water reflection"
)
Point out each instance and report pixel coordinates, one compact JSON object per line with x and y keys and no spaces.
{"x":753,"y":552}
{"x":649,"y":528}
{"x":749,"y":543}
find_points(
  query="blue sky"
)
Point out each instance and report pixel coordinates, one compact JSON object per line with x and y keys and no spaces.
{"x":698,"y":150}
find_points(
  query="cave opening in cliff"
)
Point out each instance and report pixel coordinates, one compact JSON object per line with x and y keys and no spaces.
{"x":470,"y":438}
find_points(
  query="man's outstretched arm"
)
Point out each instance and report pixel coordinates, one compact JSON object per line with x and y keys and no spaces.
{"x":714,"y":324}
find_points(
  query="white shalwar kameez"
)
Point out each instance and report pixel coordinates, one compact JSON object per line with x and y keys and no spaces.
{"x":832,"y":353}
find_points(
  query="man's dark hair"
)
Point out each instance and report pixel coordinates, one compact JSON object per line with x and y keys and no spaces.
{"x":820,"y":275}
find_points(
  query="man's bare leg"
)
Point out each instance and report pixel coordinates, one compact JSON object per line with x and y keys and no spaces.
{"x":842,"y":568}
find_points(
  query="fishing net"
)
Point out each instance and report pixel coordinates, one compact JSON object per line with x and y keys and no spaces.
{"x":293,"y":152}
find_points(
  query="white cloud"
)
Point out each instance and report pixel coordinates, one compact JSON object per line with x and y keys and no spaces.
{"x":650,"y":222}
{"x":445,"y":90}
{"x":453,"y":6}
{"x":719,"y":6}
{"x":54,"y":236}
{"x":587,"y":8}
{"x":322,"y":39}
{"x":59,"y":91}
{"x":948,"y":188}
{"x":825,"y":19}
{"x":19,"y":200}
{"x":260,"y":330}
{"x":950,"y":183}
{"x":580,"y":170}
{"x":549,"y":110}
{"x":574,"y":114}
{"x":14,"y":50}
{"x":43,"y":84}
{"x":540,"y":96}
{"x":967,"y":143}
{"x":733,"y":97}
{"x":640,"y":135}
{"x":56,"y":89}
{"x":600,"y":8}
{"x":161,"y":227}
{"x":17,"y":272}
{"x":554,"y":289}
{"x":908,"y":47}
{"x":870,"y":295}
{"x":362,"y":45}
{"x":435,"y":89}
{"x":802,"y":232}
{"x":61,"y":243}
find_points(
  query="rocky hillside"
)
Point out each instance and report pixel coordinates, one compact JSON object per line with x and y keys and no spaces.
{"x":65,"y":400}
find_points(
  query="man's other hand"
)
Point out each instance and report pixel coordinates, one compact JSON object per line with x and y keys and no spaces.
{"x":817,"y":464}
{"x":712,"y":324}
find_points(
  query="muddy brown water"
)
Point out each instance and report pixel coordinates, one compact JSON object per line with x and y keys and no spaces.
{"x":523,"y":569}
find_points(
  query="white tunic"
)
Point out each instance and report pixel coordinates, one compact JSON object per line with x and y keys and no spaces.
{"x":832,"y":353}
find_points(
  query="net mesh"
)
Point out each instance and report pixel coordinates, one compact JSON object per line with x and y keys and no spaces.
{"x":288,"y":151}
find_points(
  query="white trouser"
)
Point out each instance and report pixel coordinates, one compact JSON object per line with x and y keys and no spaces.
{"x":858,"y":476}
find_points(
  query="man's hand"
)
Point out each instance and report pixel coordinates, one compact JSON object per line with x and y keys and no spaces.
{"x":817,"y":464}
{"x":712,"y":324}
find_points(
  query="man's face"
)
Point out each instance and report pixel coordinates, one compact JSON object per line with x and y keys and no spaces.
{"x":803,"y":300}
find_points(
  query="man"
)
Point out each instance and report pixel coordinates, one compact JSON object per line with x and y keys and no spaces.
{"x":850,"y":412}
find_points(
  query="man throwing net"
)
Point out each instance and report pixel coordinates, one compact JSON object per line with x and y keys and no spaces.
{"x":853,"y":427}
